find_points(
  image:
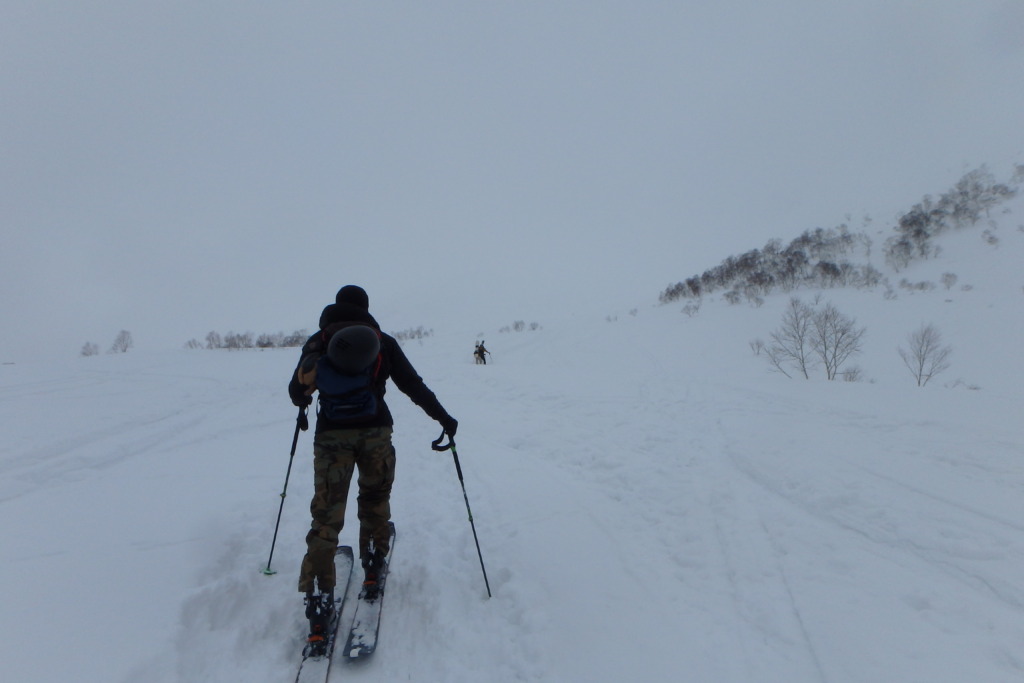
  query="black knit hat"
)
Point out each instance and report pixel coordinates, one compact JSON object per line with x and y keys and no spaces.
{"x":355,"y":295}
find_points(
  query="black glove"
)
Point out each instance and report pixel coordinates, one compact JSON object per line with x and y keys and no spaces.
{"x":450,"y":425}
{"x":301,"y":400}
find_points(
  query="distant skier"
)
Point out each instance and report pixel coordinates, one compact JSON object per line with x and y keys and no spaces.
{"x":351,"y":351}
{"x":481,"y":354}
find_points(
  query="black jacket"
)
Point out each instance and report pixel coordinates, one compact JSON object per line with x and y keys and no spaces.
{"x":394,"y":365}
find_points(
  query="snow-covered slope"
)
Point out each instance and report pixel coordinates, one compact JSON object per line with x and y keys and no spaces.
{"x":652,"y":503}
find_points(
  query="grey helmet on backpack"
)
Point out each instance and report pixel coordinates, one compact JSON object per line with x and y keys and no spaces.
{"x":354,"y":348}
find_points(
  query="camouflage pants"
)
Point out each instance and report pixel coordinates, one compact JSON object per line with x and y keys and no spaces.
{"x":336,"y":455}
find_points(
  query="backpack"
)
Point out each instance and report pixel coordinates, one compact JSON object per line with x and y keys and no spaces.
{"x":347,"y":398}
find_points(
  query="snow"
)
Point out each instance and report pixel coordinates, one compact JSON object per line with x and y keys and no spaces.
{"x":652,"y":504}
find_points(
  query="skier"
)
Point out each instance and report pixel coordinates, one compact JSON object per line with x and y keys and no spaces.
{"x":365,"y":444}
{"x":481,"y":354}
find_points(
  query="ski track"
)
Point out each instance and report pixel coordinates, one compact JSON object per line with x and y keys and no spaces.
{"x":962,"y":553}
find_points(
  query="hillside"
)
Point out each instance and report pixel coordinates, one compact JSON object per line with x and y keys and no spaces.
{"x":651,"y":499}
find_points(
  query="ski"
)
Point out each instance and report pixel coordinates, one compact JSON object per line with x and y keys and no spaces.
{"x":316,"y":655}
{"x":362,"y":637}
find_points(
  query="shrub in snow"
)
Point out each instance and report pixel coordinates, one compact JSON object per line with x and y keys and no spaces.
{"x":122,"y":342}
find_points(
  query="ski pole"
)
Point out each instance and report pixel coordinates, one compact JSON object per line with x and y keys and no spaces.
{"x":438,"y":446}
{"x":301,"y":424}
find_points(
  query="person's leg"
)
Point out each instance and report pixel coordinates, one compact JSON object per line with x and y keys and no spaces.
{"x":334,"y":456}
{"x":376,"y":462}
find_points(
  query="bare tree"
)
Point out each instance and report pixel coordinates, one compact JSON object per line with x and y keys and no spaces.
{"x":122,"y":342}
{"x":238,"y":340}
{"x":791,"y":343}
{"x":927,"y":356}
{"x":269,"y":341}
{"x":296,"y":338}
{"x":90,"y":349}
{"x":835,"y":338}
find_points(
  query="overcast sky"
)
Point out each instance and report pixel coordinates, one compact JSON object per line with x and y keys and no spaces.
{"x":173,"y":168}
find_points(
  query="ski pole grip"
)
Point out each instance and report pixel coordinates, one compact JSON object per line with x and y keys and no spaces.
{"x":438,"y":446}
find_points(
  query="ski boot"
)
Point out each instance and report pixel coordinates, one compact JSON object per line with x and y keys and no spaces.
{"x":319,"y":610}
{"x":375,"y":567}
